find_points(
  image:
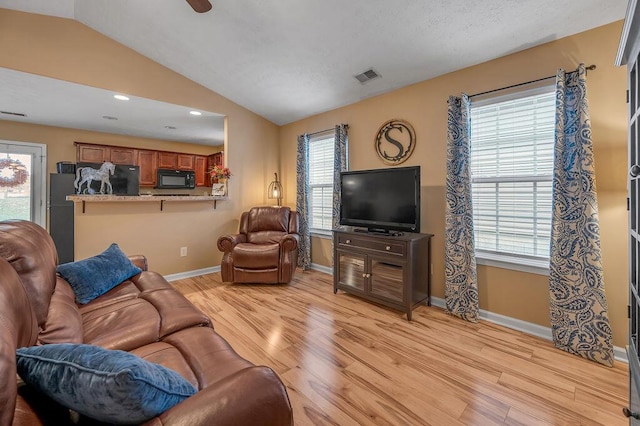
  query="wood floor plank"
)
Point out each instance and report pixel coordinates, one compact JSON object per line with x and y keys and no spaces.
{"x":594,"y":398}
{"x":346,"y":361}
{"x":335,"y":395}
{"x":423,"y":405}
{"x":480,"y":414}
{"x":556,"y":405}
{"x":520,"y":418}
{"x":420,"y":375}
{"x":308,"y":413}
{"x":604,"y":379}
{"x":515,"y":365}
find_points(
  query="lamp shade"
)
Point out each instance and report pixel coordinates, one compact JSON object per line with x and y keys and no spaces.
{"x":275,"y":189}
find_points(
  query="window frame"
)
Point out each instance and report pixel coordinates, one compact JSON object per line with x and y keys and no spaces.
{"x":321,"y":136}
{"x":512,"y":261}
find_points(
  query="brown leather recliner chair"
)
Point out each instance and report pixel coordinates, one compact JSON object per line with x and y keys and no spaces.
{"x":265,"y":250}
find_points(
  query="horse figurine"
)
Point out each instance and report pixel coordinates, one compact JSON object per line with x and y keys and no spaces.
{"x":89,"y":174}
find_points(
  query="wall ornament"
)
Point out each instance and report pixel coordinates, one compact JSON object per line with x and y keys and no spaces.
{"x":18,"y":173}
{"x":395,"y":141}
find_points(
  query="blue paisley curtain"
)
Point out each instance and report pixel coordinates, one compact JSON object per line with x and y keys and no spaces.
{"x":302,"y":202}
{"x":461,"y":284}
{"x":340,"y":164}
{"x":578,"y":307}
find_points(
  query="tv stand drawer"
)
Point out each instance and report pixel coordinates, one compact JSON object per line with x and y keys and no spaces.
{"x":376,"y":244}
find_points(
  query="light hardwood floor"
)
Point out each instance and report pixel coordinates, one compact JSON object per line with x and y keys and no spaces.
{"x":346,"y":361}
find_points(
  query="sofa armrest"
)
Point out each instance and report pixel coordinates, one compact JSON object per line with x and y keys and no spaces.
{"x":226,"y":243}
{"x":252,"y":396}
{"x":140,"y":261}
{"x":290,"y":242}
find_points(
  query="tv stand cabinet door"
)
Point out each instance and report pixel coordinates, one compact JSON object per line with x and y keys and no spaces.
{"x":387,"y":280}
{"x":350,"y":272}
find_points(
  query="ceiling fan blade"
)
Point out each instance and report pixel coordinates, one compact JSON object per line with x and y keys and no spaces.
{"x":200,"y":6}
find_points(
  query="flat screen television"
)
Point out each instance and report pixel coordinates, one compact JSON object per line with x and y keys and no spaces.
{"x":381,"y":200}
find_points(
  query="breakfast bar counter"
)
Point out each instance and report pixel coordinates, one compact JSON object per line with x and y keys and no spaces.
{"x":143,"y":198}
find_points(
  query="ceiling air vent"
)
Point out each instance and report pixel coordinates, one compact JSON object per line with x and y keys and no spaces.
{"x":368,"y":75}
{"x":19,"y":114}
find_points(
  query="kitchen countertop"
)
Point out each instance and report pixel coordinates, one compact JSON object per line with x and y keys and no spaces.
{"x":142,"y":198}
{"x":139,"y":198}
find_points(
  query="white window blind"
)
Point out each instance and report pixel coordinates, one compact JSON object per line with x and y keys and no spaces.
{"x":511,"y":174}
{"x":321,"y":151}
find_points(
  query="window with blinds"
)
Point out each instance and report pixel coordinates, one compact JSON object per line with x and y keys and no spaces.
{"x":321,"y":151}
{"x":512,"y":141}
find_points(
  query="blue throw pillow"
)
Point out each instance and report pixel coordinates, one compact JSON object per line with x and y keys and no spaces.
{"x":106,"y":385}
{"x":96,"y":275}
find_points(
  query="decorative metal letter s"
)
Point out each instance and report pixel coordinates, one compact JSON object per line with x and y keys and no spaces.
{"x":395,"y":141}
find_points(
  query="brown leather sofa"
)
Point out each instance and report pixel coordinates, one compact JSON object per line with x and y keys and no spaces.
{"x":143,"y":315}
{"x":265,"y":250}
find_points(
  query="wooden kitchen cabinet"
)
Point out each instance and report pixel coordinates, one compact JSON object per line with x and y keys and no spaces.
{"x":175,"y":161}
{"x":202,"y":177}
{"x":92,"y":153}
{"x":122,"y":155}
{"x":86,"y":153}
{"x":148,"y":162}
{"x":186,"y":162}
{"x":216,"y":159}
{"x":167,"y":160}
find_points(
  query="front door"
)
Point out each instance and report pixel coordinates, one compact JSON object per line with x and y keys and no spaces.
{"x":22,"y":181}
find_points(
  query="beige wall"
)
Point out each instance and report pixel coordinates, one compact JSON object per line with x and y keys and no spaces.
{"x":67,"y":50}
{"x":515,"y":294}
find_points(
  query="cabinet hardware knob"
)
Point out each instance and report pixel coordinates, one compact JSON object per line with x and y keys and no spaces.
{"x":388,"y":247}
{"x":348,"y":241}
{"x":364,"y":275}
{"x":629,"y":413}
{"x":634,"y":170}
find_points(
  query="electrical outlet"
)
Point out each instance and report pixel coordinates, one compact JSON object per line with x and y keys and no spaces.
{"x":183,"y":251}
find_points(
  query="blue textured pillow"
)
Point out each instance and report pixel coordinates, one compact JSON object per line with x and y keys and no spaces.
{"x":106,"y":385}
{"x":96,"y":275}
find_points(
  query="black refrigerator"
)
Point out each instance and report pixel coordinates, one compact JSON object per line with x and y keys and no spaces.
{"x":61,"y":225}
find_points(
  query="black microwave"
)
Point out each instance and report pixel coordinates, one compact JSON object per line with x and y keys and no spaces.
{"x":176,"y":179}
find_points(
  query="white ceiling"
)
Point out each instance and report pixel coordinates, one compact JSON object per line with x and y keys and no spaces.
{"x":290,"y":59}
{"x":59,"y":103}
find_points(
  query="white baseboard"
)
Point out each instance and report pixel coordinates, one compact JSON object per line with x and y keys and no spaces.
{"x":620,"y":354}
{"x":322,"y":268}
{"x":211,"y":270}
{"x":526,"y":327}
{"x":191,"y":274}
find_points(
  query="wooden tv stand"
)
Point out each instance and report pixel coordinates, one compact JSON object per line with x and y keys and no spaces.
{"x":392,"y":270}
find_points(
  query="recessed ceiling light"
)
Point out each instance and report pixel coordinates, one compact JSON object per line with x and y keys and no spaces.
{"x":109,"y":117}
{"x":121,"y":97}
{"x":195,"y":113}
{"x":170,"y":127}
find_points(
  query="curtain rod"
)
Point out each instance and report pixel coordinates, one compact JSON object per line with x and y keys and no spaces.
{"x":326,"y":130}
{"x":589,"y":68}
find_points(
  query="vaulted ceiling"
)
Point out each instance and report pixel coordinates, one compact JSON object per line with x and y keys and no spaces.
{"x":290,"y":59}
